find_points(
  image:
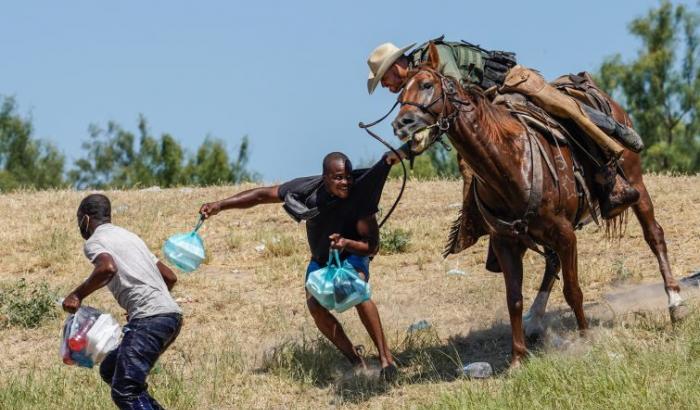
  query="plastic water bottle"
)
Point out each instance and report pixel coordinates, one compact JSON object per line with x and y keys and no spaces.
{"x":79,"y":341}
{"x":420,"y":325}
{"x":478,"y":370}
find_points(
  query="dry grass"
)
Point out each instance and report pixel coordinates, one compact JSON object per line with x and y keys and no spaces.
{"x":248,"y":341}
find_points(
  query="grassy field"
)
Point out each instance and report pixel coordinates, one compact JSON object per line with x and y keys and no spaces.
{"x":248,"y":341}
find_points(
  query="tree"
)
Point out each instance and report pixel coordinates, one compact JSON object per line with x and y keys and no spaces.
{"x":436,"y":162}
{"x":660,"y":88}
{"x":24,"y":160}
{"x":113,"y":160}
{"x":211,"y":165}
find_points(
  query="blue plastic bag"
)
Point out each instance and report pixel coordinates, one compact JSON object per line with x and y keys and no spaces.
{"x":185,"y":250}
{"x":337,"y":286}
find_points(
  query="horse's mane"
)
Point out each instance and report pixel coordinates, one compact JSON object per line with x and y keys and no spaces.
{"x":495,"y":121}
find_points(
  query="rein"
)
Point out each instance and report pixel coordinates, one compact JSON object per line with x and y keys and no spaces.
{"x":367,"y":127}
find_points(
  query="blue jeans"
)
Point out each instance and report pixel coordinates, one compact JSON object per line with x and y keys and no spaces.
{"x":360,"y":263}
{"x":125,"y":369}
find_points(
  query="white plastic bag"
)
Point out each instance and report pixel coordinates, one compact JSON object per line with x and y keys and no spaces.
{"x":88,"y":335}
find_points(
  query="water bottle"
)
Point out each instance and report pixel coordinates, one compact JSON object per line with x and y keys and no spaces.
{"x":420,"y":325}
{"x":478,"y":370}
{"x":79,"y":340}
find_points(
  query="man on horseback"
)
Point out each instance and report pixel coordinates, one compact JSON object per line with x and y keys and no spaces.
{"x":498,"y":71}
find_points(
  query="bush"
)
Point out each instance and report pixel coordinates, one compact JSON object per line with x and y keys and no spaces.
{"x":394,"y":240}
{"x":26,"y":305}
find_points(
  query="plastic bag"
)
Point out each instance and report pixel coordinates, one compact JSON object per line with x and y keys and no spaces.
{"x":88,"y":335}
{"x":338,"y":286}
{"x":185,"y":250}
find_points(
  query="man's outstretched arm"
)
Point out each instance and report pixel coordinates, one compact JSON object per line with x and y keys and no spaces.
{"x":245,"y":199}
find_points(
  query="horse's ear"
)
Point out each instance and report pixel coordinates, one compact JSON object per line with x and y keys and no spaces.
{"x":433,"y":60}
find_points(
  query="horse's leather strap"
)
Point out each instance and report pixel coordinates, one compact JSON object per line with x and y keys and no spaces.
{"x":519,"y":227}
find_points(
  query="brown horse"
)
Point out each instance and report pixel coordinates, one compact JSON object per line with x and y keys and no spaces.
{"x":506,"y":158}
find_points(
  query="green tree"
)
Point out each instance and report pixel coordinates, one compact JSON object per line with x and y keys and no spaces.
{"x":660,"y":88}
{"x":24,"y":160}
{"x":436,"y":162}
{"x":113,"y":160}
{"x":211,"y":164}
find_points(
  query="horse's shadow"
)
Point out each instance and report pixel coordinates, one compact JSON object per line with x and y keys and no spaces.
{"x":422,"y":357}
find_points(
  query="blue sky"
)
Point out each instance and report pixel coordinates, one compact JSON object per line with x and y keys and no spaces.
{"x":291,"y":75}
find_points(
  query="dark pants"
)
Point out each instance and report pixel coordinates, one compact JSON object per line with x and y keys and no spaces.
{"x":125,"y":369}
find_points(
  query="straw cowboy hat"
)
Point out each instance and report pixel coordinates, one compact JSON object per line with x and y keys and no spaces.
{"x":380,"y":60}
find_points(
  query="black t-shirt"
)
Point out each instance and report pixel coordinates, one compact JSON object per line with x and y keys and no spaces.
{"x":335,"y":215}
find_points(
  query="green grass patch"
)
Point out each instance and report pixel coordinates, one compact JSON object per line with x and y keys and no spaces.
{"x":394,"y":240}
{"x":642,"y":368}
{"x":26,"y":304}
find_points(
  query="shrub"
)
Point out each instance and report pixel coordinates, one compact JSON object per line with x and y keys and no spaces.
{"x":26,"y":305}
{"x":394,"y":240}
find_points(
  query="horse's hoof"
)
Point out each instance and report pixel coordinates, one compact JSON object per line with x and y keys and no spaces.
{"x":514,"y":366}
{"x":678,"y":313}
{"x":534,"y":332}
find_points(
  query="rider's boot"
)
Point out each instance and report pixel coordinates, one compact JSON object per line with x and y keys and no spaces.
{"x":616,"y":194}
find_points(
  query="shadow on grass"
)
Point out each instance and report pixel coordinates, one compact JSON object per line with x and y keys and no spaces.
{"x":422,"y":357}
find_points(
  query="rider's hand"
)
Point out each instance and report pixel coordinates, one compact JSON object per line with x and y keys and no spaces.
{"x":210,"y":209}
{"x":338,"y":242}
{"x":71,"y":303}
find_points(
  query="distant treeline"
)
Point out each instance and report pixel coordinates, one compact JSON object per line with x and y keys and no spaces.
{"x":660,"y":88}
{"x":113,"y":158}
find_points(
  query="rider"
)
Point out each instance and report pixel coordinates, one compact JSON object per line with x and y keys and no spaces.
{"x":473,"y":65}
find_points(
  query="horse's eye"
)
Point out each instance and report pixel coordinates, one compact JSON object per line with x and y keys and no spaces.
{"x":426,"y":86}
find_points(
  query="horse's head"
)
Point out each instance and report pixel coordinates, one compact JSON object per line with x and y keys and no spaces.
{"x":425,"y":107}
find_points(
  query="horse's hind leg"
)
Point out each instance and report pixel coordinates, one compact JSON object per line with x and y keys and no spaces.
{"x":510,"y":256}
{"x":654,"y":236}
{"x":534,"y":319}
{"x":565,"y":247}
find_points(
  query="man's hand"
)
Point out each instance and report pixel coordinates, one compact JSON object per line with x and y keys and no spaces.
{"x":210,"y":209}
{"x":391,"y":158}
{"x":71,"y":303}
{"x":338,"y":242}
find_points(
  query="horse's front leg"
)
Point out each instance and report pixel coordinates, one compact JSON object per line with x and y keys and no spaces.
{"x":565,"y":246}
{"x":510,"y":256}
{"x":534,"y":319}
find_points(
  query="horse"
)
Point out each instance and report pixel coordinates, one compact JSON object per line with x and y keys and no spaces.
{"x":522,"y":203}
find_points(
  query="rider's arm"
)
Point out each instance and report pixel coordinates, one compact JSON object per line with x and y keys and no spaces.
{"x":245,"y":199}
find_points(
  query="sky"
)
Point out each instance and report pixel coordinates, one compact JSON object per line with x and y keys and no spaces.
{"x":290,"y":74}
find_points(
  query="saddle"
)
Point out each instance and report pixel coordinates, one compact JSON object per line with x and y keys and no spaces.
{"x":469,"y":225}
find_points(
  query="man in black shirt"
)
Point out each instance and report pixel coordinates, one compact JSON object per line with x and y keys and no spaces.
{"x":339,"y":208}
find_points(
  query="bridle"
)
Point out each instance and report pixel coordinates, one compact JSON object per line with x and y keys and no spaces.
{"x":443,"y":120}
